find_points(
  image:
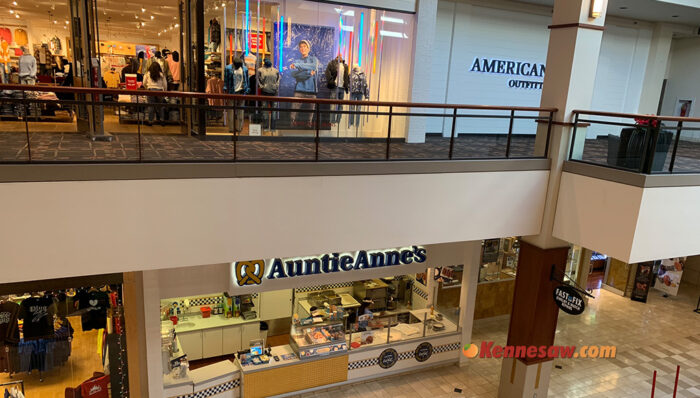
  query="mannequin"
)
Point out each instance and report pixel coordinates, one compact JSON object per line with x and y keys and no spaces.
{"x":214,"y":35}
{"x":304,"y":71}
{"x":358,"y":91}
{"x":173,"y":60}
{"x":236,"y":81}
{"x":27,"y":67}
{"x":4,"y":59}
{"x":268,"y":78}
{"x":337,"y":76}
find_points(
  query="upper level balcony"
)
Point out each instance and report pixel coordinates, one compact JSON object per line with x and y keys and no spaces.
{"x":631,"y":187}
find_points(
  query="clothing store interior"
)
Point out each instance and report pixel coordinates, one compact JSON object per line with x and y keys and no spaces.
{"x":63,"y":338}
{"x":287,"y":48}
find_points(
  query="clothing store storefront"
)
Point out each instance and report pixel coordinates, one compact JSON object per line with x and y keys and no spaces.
{"x":63,"y":336}
{"x":290,"y":325}
{"x":290,"y":48}
{"x":301,"y":49}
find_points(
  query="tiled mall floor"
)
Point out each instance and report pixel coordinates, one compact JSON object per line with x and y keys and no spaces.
{"x":660,"y":334}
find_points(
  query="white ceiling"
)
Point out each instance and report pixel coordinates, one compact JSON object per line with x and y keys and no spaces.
{"x":672,"y":11}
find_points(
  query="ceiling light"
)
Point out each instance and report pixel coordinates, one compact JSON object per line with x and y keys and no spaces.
{"x":216,"y":8}
{"x":143,"y":9}
{"x":14,"y":3}
{"x":17,"y":16}
{"x":67,"y":22}
{"x":596,"y":8}
{"x":152,"y":17}
{"x":64,"y":27}
{"x":177,"y":25}
{"x":55,"y":21}
{"x":674,"y":16}
{"x":623,"y":7}
{"x":143,"y":23}
{"x":390,"y":19}
{"x":136,"y":16}
{"x":12,"y":11}
{"x":158,"y":33}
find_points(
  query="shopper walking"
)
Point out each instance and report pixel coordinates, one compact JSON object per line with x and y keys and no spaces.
{"x":155,"y":80}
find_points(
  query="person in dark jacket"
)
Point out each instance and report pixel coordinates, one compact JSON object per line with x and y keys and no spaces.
{"x":338,"y":80}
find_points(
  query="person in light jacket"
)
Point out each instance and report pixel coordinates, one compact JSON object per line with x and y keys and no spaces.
{"x":27,"y":67}
{"x":155,"y":80}
{"x":304,"y":71}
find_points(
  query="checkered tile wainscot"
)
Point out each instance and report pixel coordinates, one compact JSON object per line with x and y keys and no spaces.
{"x":218,"y":389}
{"x":323,"y":287}
{"x":214,"y":300}
{"x":365,"y":363}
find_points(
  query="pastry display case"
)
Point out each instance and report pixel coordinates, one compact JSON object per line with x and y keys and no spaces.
{"x":318,"y":339}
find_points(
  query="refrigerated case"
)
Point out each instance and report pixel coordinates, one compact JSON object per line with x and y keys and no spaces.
{"x":319,"y":339}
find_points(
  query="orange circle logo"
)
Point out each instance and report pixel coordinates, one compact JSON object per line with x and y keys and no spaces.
{"x":470,"y":350}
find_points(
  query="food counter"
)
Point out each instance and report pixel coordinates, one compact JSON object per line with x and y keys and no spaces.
{"x":221,"y":379}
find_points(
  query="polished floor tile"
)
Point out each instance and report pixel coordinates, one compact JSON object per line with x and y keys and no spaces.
{"x":658,"y":335}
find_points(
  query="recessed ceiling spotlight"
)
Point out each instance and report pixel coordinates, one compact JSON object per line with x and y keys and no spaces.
{"x":14,"y":3}
{"x":143,"y":23}
{"x":143,"y":9}
{"x":17,"y":16}
{"x":674,"y":16}
{"x":623,"y":7}
{"x":55,"y":22}
{"x":12,"y":11}
{"x":136,"y":16}
{"x":67,"y":22}
{"x":152,"y":17}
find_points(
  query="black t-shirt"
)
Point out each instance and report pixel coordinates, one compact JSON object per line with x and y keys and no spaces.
{"x":9,"y":331}
{"x":37,"y":313}
{"x":93,"y":309}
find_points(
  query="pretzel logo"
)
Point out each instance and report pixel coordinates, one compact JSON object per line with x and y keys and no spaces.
{"x":250,"y":272}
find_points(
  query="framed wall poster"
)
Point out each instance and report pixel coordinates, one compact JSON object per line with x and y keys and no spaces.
{"x":642,"y":281}
{"x":489,"y":253}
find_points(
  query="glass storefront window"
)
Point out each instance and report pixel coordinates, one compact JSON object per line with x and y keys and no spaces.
{"x":499,"y":259}
{"x":63,"y":341}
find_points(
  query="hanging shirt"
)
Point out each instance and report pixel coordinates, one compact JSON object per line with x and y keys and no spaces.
{"x":93,"y":309}
{"x":112,"y":79}
{"x":250,"y":60}
{"x":9,"y":331}
{"x":6,"y":34}
{"x":37,"y":313}
{"x":339,"y":80}
{"x":215,"y":86}
{"x":21,"y":37}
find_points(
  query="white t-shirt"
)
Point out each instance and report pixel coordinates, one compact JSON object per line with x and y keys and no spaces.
{"x":341,"y":73}
{"x":238,"y":77}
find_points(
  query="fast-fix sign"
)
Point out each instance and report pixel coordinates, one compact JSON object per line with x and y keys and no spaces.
{"x":256,"y":272}
{"x":568,"y":300}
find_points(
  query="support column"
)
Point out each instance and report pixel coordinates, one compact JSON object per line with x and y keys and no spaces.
{"x":419,"y":89}
{"x":151,"y":310}
{"x":572,"y":59}
{"x":134,"y":320}
{"x":467,"y":297}
{"x":656,"y":68}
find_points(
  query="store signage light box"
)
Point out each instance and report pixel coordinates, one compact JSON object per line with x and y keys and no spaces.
{"x":254,"y":272}
{"x":511,"y":67}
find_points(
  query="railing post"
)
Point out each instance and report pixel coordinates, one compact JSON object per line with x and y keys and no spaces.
{"x":452,"y":134}
{"x":318,"y":128}
{"x":573,"y":135}
{"x":647,"y":160}
{"x":138,"y":127}
{"x":388,"y":134}
{"x":26,"y":126}
{"x":679,"y":128}
{"x":510,"y":133}
{"x":549,"y":133}
{"x":235,"y":130}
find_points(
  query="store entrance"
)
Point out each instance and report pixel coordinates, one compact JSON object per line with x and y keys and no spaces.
{"x":62,"y":337}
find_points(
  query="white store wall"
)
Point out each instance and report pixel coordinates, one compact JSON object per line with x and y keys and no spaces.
{"x":684,"y":81}
{"x":520,"y":33}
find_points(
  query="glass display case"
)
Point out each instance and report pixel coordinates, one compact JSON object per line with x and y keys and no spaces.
{"x":499,"y":259}
{"x":318,"y":339}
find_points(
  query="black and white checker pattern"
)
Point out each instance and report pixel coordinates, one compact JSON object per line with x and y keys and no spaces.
{"x":420,"y":292}
{"x":406,"y":355}
{"x":445,"y":348}
{"x":364,"y":363}
{"x":199,"y":301}
{"x":323,"y":287}
{"x":230,"y":385}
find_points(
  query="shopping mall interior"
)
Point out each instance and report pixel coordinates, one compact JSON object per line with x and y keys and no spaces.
{"x":351,"y":198}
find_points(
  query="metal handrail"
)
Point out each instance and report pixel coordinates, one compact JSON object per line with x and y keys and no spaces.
{"x":651,"y":136}
{"x":91,"y":97}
